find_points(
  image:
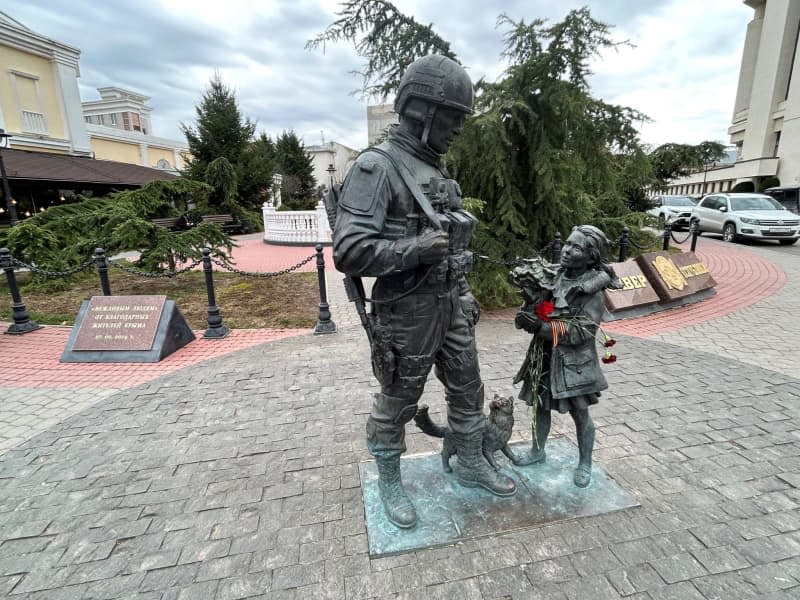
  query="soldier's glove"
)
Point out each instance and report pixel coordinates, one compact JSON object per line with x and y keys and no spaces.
{"x":527,"y":321}
{"x":432,"y":247}
{"x":470,"y":307}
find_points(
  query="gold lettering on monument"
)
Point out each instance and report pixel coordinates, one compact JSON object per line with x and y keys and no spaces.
{"x":671,"y":275}
{"x":694,"y":270}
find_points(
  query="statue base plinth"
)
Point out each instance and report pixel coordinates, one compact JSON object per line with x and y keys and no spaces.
{"x":448,"y":513}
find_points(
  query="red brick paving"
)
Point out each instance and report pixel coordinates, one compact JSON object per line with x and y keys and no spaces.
{"x":32,"y":360}
{"x":743,"y":278}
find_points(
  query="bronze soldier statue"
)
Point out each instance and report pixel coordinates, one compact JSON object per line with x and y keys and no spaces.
{"x":401,"y":220}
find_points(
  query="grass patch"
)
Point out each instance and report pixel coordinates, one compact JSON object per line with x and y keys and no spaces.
{"x":286,"y":301}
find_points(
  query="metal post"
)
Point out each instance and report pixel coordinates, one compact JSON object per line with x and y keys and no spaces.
{"x":624,"y":240}
{"x":102,"y":269}
{"x":667,"y":235}
{"x":556,"y":251}
{"x":695,"y":229}
{"x":324,"y":323}
{"x":6,"y":188}
{"x":22,"y":321}
{"x":216,"y":330}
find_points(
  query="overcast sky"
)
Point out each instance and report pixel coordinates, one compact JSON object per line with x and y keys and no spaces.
{"x":682,"y":71}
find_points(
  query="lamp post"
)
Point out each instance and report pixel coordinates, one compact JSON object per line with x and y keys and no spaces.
{"x":12,"y":210}
{"x":330,"y":170}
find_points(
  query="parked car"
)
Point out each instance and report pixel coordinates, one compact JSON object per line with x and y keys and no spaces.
{"x":675,"y":210}
{"x":788,"y":196}
{"x":753,"y":216}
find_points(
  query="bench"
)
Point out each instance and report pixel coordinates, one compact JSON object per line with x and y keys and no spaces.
{"x":171,"y":223}
{"x":227,"y":223}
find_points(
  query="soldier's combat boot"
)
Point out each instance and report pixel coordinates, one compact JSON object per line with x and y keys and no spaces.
{"x":398,"y":506}
{"x":472,"y":469}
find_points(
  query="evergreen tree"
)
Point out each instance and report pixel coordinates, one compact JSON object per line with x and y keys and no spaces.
{"x":295,"y":165}
{"x":222,"y":132}
{"x":541,"y":154}
{"x":671,"y":160}
{"x":66,"y":235}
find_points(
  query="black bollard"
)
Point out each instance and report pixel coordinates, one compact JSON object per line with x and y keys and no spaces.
{"x":324,"y":323}
{"x":695,"y":229}
{"x":216,"y":330}
{"x":102,"y":269}
{"x":556,"y":253}
{"x":624,"y":240}
{"x":667,"y":235}
{"x":22,"y":321}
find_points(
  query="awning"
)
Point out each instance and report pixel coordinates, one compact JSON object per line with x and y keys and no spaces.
{"x":62,"y":168}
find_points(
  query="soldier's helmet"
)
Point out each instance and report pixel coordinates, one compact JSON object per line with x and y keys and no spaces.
{"x":438,"y":80}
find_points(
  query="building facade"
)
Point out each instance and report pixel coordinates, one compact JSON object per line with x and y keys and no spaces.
{"x":39,"y":99}
{"x":330,"y":154}
{"x":765,"y":127}
{"x":40,"y":106}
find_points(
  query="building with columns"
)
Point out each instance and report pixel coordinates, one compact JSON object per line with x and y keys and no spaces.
{"x":765,"y":126}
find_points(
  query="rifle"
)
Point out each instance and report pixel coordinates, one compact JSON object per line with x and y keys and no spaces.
{"x":353,"y":286}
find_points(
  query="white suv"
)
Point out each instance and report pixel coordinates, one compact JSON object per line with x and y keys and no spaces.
{"x":754,"y":216}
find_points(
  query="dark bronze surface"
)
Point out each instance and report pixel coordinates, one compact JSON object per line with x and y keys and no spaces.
{"x":675,"y":276}
{"x":448,"y":512}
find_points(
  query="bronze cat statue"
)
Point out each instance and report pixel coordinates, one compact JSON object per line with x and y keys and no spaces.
{"x":499,"y":424}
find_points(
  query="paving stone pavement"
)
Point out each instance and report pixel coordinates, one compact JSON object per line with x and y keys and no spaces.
{"x":765,"y":334}
{"x":237,"y":478}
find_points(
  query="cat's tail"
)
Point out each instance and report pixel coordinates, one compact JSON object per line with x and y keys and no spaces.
{"x":428,"y":427}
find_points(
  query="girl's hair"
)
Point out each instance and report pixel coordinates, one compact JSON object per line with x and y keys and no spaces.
{"x":597,"y":247}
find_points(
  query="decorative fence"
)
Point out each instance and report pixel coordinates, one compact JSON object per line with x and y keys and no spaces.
{"x":22,"y":323}
{"x":296,"y":227}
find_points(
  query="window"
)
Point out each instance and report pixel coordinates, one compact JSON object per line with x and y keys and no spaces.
{"x":26,"y":91}
{"x":113,"y":119}
{"x":777,"y":143}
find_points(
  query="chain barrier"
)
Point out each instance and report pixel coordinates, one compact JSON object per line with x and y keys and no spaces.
{"x":677,"y":241}
{"x":500,"y":263}
{"x":305,"y":261}
{"x":18,"y":263}
{"x":151,"y":275}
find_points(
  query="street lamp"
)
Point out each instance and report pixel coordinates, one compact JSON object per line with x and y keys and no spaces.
{"x":6,"y":189}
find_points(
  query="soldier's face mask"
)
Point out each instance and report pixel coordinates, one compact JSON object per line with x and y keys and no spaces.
{"x":447,"y":124}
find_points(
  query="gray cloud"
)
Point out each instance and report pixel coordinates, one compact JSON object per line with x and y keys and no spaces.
{"x":259,"y":51}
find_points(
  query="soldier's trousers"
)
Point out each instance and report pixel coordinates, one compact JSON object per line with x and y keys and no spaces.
{"x":428,"y":329}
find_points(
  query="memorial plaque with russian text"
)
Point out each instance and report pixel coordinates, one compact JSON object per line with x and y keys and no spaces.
{"x":636,"y":291}
{"x":675,"y":276}
{"x":120,"y":323}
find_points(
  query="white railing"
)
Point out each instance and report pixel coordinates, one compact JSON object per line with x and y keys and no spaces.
{"x":33,"y":122}
{"x":296,"y":226}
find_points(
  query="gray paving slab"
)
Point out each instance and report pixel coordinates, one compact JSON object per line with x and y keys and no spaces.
{"x":764,"y":334}
{"x":195,"y":485}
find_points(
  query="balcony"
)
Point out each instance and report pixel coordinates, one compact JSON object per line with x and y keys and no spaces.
{"x":33,"y":122}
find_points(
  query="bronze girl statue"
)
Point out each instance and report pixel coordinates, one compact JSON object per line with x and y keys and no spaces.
{"x":563,"y":311}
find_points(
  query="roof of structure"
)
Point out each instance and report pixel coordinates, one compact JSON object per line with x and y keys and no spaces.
{"x":40,"y":166}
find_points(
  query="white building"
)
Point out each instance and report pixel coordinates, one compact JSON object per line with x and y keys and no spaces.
{"x":330,"y":154}
{"x":765,"y":127}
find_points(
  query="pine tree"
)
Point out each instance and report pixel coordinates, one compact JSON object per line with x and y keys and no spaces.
{"x":295,"y":165}
{"x":222,"y":132}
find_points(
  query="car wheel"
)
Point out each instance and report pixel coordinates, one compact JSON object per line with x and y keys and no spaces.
{"x":729,"y":232}
{"x":788,"y":242}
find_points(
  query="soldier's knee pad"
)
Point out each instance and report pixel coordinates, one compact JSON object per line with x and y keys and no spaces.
{"x":397,"y":410}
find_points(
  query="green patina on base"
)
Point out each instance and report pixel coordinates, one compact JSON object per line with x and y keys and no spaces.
{"x":448,"y":513}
